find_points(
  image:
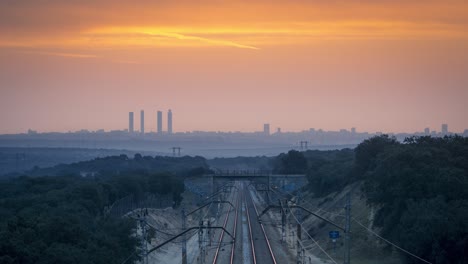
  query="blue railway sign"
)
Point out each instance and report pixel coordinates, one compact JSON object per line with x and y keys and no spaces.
{"x":334,"y":234}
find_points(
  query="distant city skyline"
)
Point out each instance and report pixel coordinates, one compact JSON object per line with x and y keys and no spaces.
{"x":260,"y":127}
{"x":157,"y":121}
{"x":265,"y":129}
{"x":155,"y":125}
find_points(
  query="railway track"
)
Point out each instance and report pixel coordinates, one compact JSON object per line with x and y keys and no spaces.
{"x":260,"y":248}
{"x":271,"y":256}
{"x":218,"y":248}
{"x":252,"y":241}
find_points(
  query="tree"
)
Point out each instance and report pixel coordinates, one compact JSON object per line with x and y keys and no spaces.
{"x":369,"y":149}
{"x":292,"y":163}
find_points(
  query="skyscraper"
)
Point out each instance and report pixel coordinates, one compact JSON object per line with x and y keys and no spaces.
{"x":427,"y":131}
{"x":130,"y":122}
{"x":266,"y":129}
{"x":169,"y":122}
{"x":160,"y":129}
{"x":142,"y":122}
{"x":444,"y":129}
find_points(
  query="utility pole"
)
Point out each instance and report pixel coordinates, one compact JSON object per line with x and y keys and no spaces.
{"x":299,"y":229}
{"x":174,"y":149}
{"x":347,"y":256}
{"x":184,"y":239}
{"x":213,"y":190}
{"x":283,"y":222}
{"x":304,"y":145}
{"x":200,"y":244}
{"x":143,"y":236}
{"x":212,"y":186}
{"x":268,"y":189}
{"x":209,"y":233}
{"x":300,"y":249}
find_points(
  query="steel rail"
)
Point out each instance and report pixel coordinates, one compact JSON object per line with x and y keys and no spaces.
{"x":263,"y":229}
{"x":234,"y":230}
{"x":222,"y":236}
{"x":250,"y":231}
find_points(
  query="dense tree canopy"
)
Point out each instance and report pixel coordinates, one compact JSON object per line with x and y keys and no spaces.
{"x":60,"y":219}
{"x":367,"y":151}
{"x":420,"y":186}
{"x":329,"y":171}
{"x":122,"y":163}
{"x":422,"y":189}
{"x":293,"y":162}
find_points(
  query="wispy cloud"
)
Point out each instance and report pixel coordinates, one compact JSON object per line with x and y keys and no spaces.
{"x":206,"y":40}
{"x":129,"y":32}
{"x":62,"y":54}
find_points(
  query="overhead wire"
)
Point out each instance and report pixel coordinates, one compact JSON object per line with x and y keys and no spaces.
{"x":316,"y":242}
{"x":393,"y":244}
{"x":303,"y":246}
{"x":369,"y":230}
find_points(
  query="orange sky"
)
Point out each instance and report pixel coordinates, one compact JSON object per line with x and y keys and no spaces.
{"x":376,"y":65}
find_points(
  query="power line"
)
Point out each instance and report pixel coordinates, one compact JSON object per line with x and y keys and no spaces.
{"x":318,"y":245}
{"x":369,"y":230}
{"x":302,"y":227}
{"x":318,"y":209}
{"x":393,"y":244}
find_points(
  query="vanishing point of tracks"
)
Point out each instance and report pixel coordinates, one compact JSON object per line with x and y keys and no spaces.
{"x":260,"y":248}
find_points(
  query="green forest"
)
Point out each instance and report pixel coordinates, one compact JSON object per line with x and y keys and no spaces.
{"x":61,"y":219}
{"x":123,"y":163}
{"x":420,"y":186}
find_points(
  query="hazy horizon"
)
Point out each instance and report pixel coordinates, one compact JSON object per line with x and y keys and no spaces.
{"x":387,"y":66}
{"x":272,"y":130}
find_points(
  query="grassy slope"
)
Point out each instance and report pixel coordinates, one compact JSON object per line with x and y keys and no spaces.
{"x":365,"y":248}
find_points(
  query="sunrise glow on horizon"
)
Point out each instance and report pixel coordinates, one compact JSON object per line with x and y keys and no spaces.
{"x":391,"y":66}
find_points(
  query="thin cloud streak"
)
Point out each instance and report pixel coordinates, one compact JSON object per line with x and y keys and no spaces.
{"x":251,"y":37}
{"x":62,"y":54}
{"x":215,"y":42}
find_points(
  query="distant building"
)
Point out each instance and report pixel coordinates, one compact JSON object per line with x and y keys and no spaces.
{"x":160,"y":117}
{"x":169,"y":122}
{"x":142,"y":122}
{"x":427,"y":131}
{"x":266,"y":129}
{"x":444,"y":129}
{"x":353,"y":130}
{"x":130,"y":122}
{"x":278,"y":130}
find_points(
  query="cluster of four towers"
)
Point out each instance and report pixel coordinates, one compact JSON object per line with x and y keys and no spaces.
{"x":159,"y":122}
